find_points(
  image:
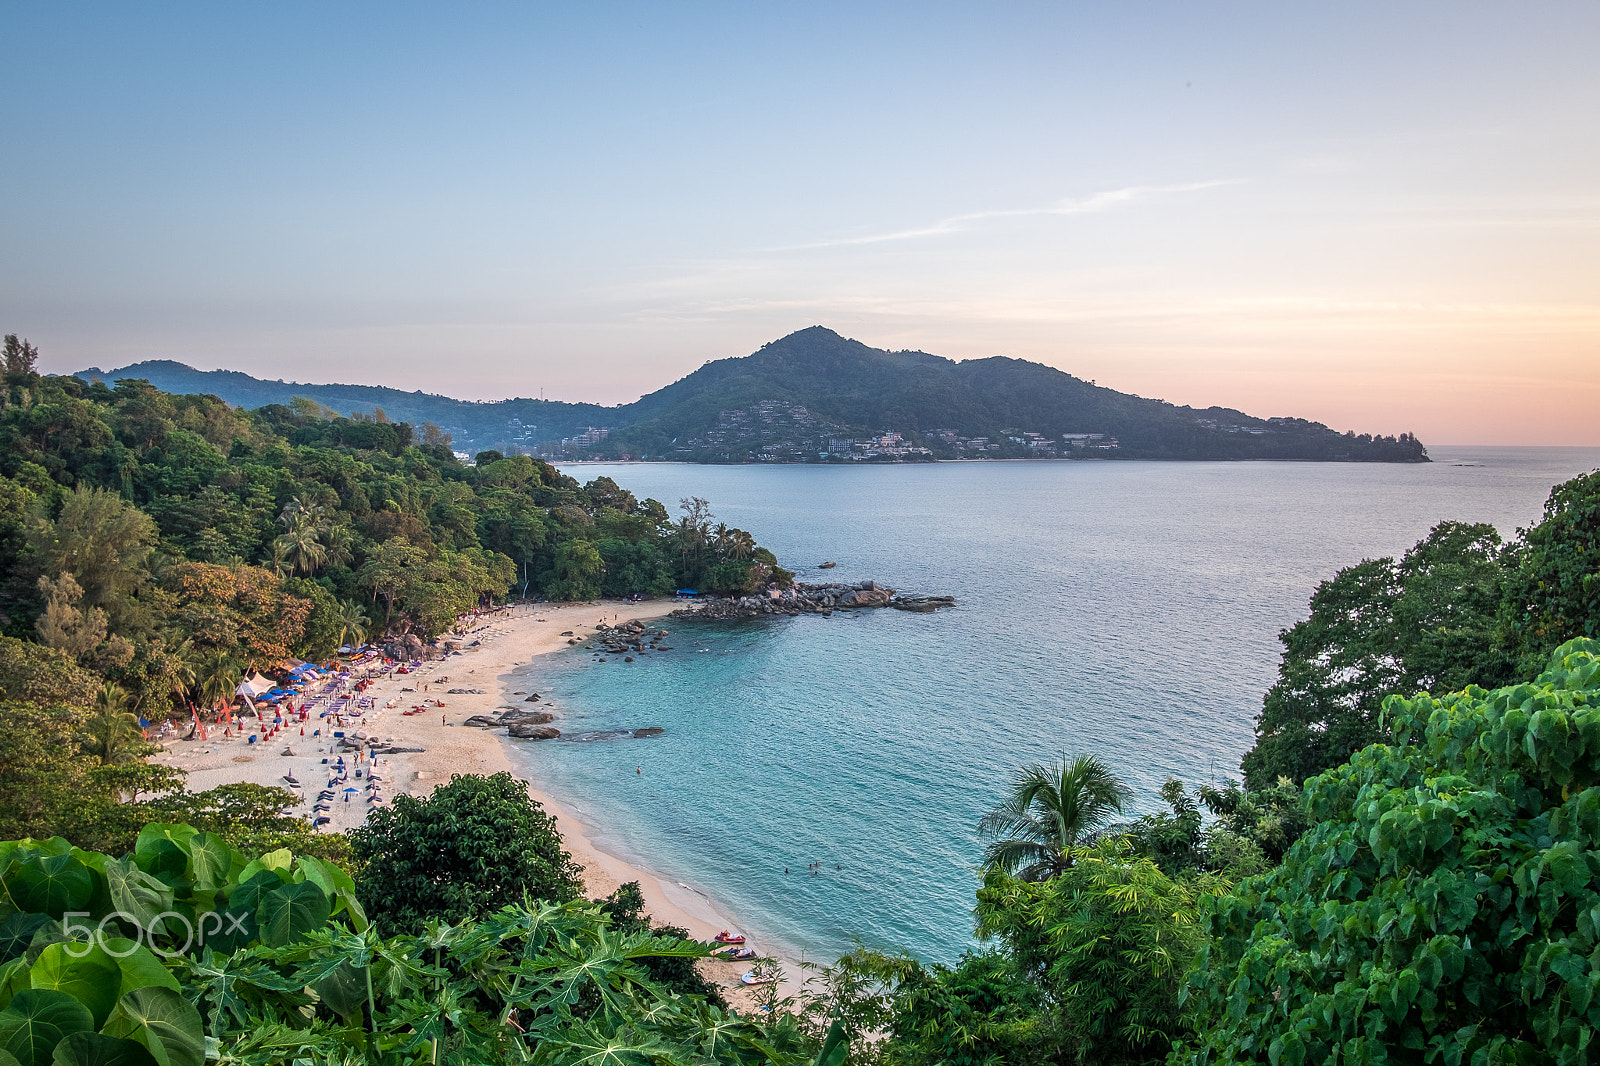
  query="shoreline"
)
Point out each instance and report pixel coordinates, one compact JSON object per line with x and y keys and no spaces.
{"x":505,"y":653}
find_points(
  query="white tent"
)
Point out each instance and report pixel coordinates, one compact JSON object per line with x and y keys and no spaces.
{"x":253,"y":686}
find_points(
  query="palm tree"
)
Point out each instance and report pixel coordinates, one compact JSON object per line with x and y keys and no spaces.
{"x":302,"y":545}
{"x":353,"y":623}
{"x":1049,"y":812}
{"x":114,"y":733}
{"x":218,"y":678}
{"x":741,"y":545}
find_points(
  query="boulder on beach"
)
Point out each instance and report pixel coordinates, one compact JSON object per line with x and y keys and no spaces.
{"x":481,"y":721}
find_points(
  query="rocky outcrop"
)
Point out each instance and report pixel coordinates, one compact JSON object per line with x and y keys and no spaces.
{"x":529,"y":731}
{"x":873,"y":597}
{"x":923,"y":604}
{"x":814,"y":599}
{"x":630,"y":636}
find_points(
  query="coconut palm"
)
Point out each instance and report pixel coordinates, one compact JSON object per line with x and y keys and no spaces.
{"x":302,"y":545}
{"x":114,"y":733}
{"x":218,"y":678}
{"x":278,"y":561}
{"x":740,"y":545}
{"x":339,"y":542}
{"x":1048,"y":812}
{"x":353,"y":623}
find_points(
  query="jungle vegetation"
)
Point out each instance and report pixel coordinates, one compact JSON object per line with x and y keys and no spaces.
{"x":1409,"y":872}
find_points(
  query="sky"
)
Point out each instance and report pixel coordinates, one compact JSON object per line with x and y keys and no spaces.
{"x":1381,"y":215}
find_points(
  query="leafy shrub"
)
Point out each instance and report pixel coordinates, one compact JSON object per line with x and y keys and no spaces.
{"x":475,"y":845}
{"x":1445,"y":904}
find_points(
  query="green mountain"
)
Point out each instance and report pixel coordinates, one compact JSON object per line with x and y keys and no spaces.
{"x":816,"y":396}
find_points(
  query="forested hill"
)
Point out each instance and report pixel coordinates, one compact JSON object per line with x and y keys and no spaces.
{"x":815,"y":395}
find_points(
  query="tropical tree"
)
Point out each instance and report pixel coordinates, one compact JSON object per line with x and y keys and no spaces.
{"x":353,"y":623}
{"x":114,"y":733}
{"x":473,"y":846}
{"x":302,"y":545}
{"x":1442,"y":906}
{"x":1048,"y":812}
{"x":218,"y":677}
{"x":1109,"y":942}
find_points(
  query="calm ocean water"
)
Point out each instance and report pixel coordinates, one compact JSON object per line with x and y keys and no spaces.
{"x":1128,"y":609}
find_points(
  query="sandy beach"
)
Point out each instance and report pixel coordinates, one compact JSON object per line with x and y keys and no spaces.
{"x":505,"y":642}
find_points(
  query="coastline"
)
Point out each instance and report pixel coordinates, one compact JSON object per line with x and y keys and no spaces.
{"x":506,"y":644}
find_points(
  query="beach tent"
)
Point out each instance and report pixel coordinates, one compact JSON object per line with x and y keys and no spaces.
{"x":253,"y":686}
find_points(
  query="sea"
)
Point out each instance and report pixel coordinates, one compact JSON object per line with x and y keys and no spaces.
{"x":822,"y":778}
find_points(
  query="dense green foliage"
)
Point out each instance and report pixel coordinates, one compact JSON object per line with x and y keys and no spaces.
{"x":185,"y":952}
{"x":1553,"y":594}
{"x":471,"y":847}
{"x":856,"y":389}
{"x":1443,"y":907}
{"x":1459,"y":608}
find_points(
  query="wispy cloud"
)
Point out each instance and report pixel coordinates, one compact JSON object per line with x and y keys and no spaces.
{"x":1086,"y":205}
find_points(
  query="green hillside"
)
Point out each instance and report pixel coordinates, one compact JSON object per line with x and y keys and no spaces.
{"x":816,"y":396}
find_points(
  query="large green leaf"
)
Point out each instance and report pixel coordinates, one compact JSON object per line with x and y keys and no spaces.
{"x":289,"y":912}
{"x":93,"y":1049}
{"x":17,"y":933}
{"x":166,"y":862}
{"x":13,"y":979}
{"x":139,"y":966}
{"x":136,"y":894}
{"x":210,"y":861}
{"x":277,"y":861}
{"x":37,"y":1020}
{"x":233,"y":925}
{"x":338,"y":886}
{"x":164,"y":1022}
{"x":83,"y":971}
{"x":344,"y":990}
{"x":51,"y":884}
{"x":153,"y":835}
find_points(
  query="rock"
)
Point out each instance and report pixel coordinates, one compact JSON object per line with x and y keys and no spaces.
{"x":465,"y":692}
{"x":649,"y":731}
{"x":532,"y":699}
{"x":481,"y":721}
{"x":530,"y":717}
{"x":873,"y":597}
{"x":627,"y":659}
{"x":526,"y":731}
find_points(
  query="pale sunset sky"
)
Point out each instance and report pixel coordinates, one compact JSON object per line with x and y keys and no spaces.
{"x":1381,"y":215}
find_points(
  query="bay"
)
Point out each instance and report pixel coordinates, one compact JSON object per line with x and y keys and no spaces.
{"x":1123,"y":608}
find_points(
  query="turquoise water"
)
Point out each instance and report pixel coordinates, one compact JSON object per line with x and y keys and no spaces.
{"x":1129,"y":609}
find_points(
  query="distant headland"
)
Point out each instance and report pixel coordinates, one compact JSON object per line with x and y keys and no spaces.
{"x":815,"y":396}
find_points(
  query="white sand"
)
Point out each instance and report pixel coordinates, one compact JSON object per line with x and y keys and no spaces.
{"x":510,"y":639}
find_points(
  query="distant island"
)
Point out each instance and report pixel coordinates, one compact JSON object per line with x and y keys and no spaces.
{"x":815,"y":396}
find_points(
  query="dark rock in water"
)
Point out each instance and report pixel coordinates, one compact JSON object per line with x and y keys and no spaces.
{"x":593,"y":735}
{"x":826,"y":566}
{"x":923,"y":604}
{"x":628,"y":659}
{"x":532,"y":699}
{"x":864,"y":598}
{"x":528,"y":731}
{"x":532,"y":717}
